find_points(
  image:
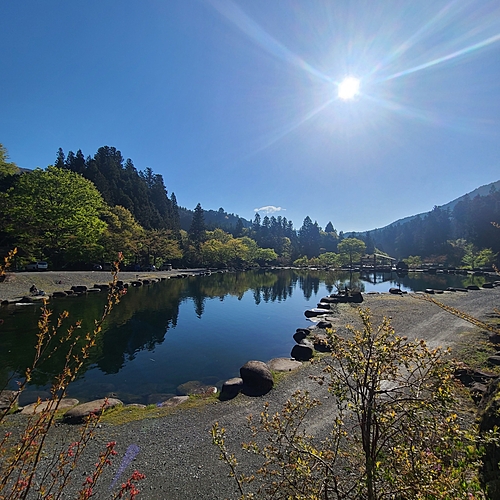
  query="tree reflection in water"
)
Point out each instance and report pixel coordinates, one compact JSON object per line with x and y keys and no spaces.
{"x":141,"y":322}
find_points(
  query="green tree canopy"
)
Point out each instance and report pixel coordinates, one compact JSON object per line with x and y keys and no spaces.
{"x":123,"y":234}
{"x":352,"y":249}
{"x":6,"y":168}
{"x":55,"y":213}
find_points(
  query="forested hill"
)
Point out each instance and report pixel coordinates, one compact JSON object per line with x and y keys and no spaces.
{"x":143,"y":193}
{"x":480,"y":191}
{"x":437,"y":232}
{"x":214,"y":219}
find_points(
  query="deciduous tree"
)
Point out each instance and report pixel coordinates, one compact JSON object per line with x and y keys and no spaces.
{"x":395,"y":431}
{"x":352,"y":249}
{"x":6,"y":167}
{"x":55,"y":213}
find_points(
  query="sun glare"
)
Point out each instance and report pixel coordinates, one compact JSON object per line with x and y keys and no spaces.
{"x":348,"y":88}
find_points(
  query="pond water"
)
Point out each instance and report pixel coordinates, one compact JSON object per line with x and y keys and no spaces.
{"x":199,"y":328}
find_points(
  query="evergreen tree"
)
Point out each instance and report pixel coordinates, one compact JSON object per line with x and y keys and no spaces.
{"x":175,"y":222}
{"x":256,"y":226}
{"x":197,"y":230}
{"x":239,"y":228}
{"x":309,"y":238}
{"x":329,"y":228}
{"x":60,"y":159}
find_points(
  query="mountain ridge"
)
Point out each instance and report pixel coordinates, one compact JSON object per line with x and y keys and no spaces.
{"x":480,"y":191}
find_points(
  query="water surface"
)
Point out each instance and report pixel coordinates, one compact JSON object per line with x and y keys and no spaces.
{"x":199,"y":328}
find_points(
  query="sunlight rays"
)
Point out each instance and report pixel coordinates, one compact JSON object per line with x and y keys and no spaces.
{"x":416,"y":37}
{"x":434,"y":28}
{"x":280,"y":134}
{"x":253,"y":30}
{"x":439,"y":60}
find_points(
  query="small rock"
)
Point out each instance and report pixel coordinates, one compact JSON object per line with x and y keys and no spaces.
{"x":175,"y":401}
{"x":306,"y":342}
{"x":494,"y":360}
{"x":324,"y":324}
{"x":7,"y":397}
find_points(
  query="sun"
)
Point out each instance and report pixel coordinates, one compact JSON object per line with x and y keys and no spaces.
{"x":348,"y":88}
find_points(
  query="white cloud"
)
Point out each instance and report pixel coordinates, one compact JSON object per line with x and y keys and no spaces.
{"x":269,"y":209}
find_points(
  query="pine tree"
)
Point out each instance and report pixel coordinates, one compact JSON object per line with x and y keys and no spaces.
{"x":197,"y":229}
{"x":60,"y":160}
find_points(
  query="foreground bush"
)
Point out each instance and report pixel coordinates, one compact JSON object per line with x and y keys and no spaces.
{"x":22,"y":474}
{"x":395,"y":433}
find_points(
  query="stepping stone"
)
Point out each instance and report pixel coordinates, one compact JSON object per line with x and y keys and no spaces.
{"x":38,"y":408}
{"x":284,"y":364}
{"x":302,"y":352}
{"x":79,"y":413}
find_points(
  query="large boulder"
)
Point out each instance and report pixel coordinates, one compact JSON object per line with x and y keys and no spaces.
{"x":257,"y":377}
{"x":231,"y":388}
{"x":40,"y":407}
{"x":79,"y":413}
{"x":302,"y":352}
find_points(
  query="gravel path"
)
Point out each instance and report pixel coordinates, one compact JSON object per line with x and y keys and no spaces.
{"x":176,"y":452}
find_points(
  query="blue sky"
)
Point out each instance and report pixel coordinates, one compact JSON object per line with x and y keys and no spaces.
{"x":235,"y":102}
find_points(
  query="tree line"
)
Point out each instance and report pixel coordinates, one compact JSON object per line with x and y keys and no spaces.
{"x":86,"y":209}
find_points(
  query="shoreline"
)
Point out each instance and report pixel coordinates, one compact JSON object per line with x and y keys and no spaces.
{"x":17,"y":284}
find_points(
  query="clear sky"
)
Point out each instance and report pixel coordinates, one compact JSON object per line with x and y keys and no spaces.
{"x":236,"y":102}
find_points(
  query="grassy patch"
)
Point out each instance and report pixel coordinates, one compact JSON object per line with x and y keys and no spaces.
{"x":279,"y":376}
{"x":474,"y":351}
{"x":123,"y":414}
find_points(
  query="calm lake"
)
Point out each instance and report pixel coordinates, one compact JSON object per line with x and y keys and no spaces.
{"x":199,"y":328}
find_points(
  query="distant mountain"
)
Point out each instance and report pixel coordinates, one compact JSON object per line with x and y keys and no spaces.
{"x":432,"y":234}
{"x":480,"y":191}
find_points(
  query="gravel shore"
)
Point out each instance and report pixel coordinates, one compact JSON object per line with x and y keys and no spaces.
{"x":176,"y":453}
{"x":17,"y":284}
